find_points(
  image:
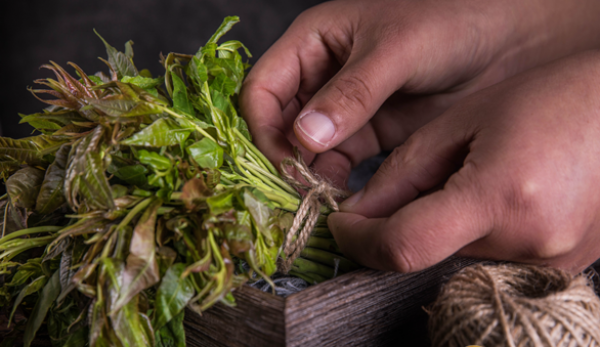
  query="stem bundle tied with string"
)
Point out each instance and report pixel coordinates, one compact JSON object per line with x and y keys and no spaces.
{"x":317,"y":190}
{"x":145,"y":195}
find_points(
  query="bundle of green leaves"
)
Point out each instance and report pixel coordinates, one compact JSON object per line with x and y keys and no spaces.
{"x":141,"y":196}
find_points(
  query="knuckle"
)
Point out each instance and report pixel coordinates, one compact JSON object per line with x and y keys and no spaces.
{"x":399,"y":254}
{"x":397,"y":257}
{"x":552,"y":244}
{"x":392,"y":163}
{"x":352,"y":92}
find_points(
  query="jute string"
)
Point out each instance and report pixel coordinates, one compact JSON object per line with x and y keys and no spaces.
{"x":517,"y":306}
{"x":318,"y":192}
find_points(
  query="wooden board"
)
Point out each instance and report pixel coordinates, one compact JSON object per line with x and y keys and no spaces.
{"x":361,"y":308}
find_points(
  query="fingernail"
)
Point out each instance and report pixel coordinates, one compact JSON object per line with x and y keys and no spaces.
{"x":317,"y":126}
{"x":352,"y":201}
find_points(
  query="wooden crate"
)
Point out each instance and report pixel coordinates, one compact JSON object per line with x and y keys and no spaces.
{"x":361,"y":308}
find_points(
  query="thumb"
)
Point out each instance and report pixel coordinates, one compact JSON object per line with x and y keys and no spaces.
{"x":347,"y":102}
{"x":421,"y":234}
{"x":422,"y":163}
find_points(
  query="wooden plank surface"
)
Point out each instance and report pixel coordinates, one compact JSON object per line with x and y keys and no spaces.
{"x":366,"y":307}
{"x":256,"y":320}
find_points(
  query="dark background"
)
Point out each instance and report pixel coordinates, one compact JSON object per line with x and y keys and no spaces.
{"x":34,"y":32}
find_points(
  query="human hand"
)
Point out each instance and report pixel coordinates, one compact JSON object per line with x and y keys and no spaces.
{"x":372,"y":72}
{"x":527,"y":187}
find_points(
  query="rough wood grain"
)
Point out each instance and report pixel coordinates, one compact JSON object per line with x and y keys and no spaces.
{"x":364,"y":308}
{"x":256,"y":320}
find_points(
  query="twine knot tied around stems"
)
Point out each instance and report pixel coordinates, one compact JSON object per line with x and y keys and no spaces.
{"x":318,"y":192}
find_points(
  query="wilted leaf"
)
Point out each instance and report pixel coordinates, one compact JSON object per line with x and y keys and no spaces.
{"x":51,"y":194}
{"x":115,"y":107}
{"x":121,"y":63}
{"x":29,"y":289}
{"x":166,"y":257}
{"x":24,"y":185}
{"x":172,"y":296}
{"x":163,"y":132}
{"x":48,"y":122}
{"x":94,"y":185}
{"x":29,"y":150}
{"x":206,"y":153}
{"x":141,"y":271}
{"x":193,"y":192}
{"x":36,"y":317}
{"x":239,"y":238}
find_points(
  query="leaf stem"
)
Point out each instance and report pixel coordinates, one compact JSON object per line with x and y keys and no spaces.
{"x":35,"y":230}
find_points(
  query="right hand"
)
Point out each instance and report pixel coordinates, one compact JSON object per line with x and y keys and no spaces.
{"x":351,"y":78}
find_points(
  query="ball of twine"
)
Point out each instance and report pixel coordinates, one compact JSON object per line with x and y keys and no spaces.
{"x":517,"y":306}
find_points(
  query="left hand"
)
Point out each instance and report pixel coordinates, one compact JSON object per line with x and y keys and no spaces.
{"x":527,"y":187}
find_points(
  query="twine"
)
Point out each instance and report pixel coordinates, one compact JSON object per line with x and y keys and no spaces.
{"x":516,"y":305}
{"x":319,"y":192}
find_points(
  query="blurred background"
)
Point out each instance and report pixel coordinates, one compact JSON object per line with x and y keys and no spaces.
{"x":35,"y":31}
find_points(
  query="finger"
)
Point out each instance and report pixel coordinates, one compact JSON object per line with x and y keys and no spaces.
{"x":424,"y":161}
{"x":421,"y":234}
{"x":335,"y":165}
{"x":296,"y":65}
{"x":347,"y":102}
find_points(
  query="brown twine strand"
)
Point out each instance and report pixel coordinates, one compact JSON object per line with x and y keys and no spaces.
{"x":318,"y":192}
{"x":517,"y":306}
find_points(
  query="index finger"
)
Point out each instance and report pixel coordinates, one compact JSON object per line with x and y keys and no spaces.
{"x":295,"y":67}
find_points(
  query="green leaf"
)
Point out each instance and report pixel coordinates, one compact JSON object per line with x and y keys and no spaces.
{"x":51,"y":194}
{"x":231,"y":47}
{"x":197,"y":72}
{"x":143,"y":109}
{"x":37,"y":315}
{"x":228,"y":22}
{"x":206,"y":153}
{"x":223,"y":85}
{"x":48,"y":122}
{"x":181,"y":102}
{"x":29,"y":150}
{"x":24,"y":185}
{"x":260,"y":213}
{"x":141,"y":271}
{"x":94,"y":185}
{"x":172,"y":334}
{"x":220,"y":203}
{"x":8,"y":167}
{"x":116,"y":107}
{"x":25,"y":271}
{"x":133,"y":327}
{"x":29,"y":289}
{"x":121,"y":63}
{"x":143,"y":82}
{"x":163,"y":132}
{"x":172,"y":296}
{"x":97,"y":80}
{"x":133,"y":174}
{"x":154,"y":160}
